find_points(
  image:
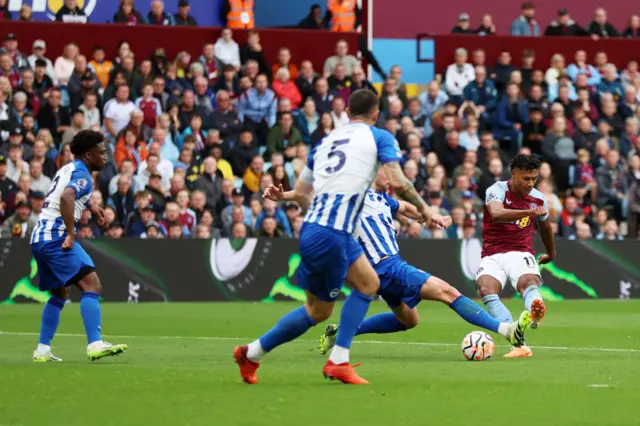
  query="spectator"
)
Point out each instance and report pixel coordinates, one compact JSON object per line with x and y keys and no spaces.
{"x":630,"y":73}
{"x":10,"y":46}
{"x":486,"y":25}
{"x":117,"y":111}
{"x":77,"y":124}
{"x":433,"y":100}
{"x":565,"y":26}
{"x":308,"y":120}
{"x":585,"y":136}
{"x":54,"y":117}
{"x":325,"y":126}
{"x":157,"y":15}
{"x":559,"y":150}
{"x":39,"y":153}
{"x":610,"y":231}
{"x":556,"y":70}
{"x":458,"y":75}
{"x":464,"y":25}
{"x":612,"y":184}
{"x":123,"y":202}
{"x":130,"y":148}
{"x":610,"y":83}
{"x":225,"y":118}
{"x":306,"y":80}
{"x":252,"y":51}
{"x":469,"y":137}
{"x":564,"y":97}
{"x":127,"y":14}
{"x":451,"y":154}
{"x":65,"y":64}
{"x":227,"y":50}
{"x":339,"y":114}
{"x":512,"y":114}
{"x":314,"y":20}
{"x":39,"y":182}
{"x":257,"y":107}
{"x":525,"y":25}
{"x":284,"y":61}
{"x":195,"y":133}
{"x":241,"y":155}
{"x":634,"y":197}
{"x":182,"y":18}
{"x":340,"y":83}
{"x":285,"y":88}
{"x":341,"y":57}
{"x":71,"y":13}
{"x":481,"y":93}
{"x":150,"y":106}
{"x":39,"y":51}
{"x":251,"y":176}
{"x":226,"y":197}
{"x":7,"y":185}
{"x":143,"y":216}
{"x":601,"y":27}
{"x":237,"y":204}
{"x":210,"y":182}
{"x":580,"y":66}
{"x":633,"y":29}
{"x":322,"y":96}
{"x":271,"y":210}
{"x":533,"y":132}
{"x":4,"y":11}
{"x":496,"y":173}
{"x":20,"y":224}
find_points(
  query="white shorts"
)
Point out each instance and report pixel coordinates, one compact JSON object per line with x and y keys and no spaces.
{"x":511,"y":265}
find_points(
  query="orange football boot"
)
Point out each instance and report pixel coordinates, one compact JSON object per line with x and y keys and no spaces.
{"x":519,"y":352}
{"x":537,"y":312}
{"x":344,"y":372}
{"x":248,"y":368}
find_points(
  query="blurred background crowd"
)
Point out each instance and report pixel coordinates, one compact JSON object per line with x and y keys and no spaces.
{"x":194,"y":140}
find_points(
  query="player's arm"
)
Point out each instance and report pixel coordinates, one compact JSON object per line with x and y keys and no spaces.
{"x":408,"y":210}
{"x":548,"y":239}
{"x":495,"y":206}
{"x":67,"y":209}
{"x":405,"y":189}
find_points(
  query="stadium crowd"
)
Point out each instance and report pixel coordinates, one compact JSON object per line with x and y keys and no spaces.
{"x":193,"y":141}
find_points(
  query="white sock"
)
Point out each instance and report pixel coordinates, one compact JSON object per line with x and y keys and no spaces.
{"x":339,"y":355}
{"x":255,"y":351}
{"x":503,"y":329}
{"x":43,"y":348}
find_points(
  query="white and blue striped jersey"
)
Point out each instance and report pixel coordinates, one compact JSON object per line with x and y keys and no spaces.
{"x":375,"y":231}
{"x":343,"y":166}
{"x":50,"y":224}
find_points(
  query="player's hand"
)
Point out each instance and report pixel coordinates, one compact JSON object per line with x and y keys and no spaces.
{"x":68,"y":243}
{"x":99,"y":213}
{"x":426,"y":217}
{"x":441,"y":222}
{"x":274,"y":193}
{"x":545,"y":258}
{"x":539,"y":211}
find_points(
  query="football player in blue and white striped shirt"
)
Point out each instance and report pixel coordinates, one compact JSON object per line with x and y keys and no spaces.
{"x":61,"y":262}
{"x":403,"y":286}
{"x":338,"y":174}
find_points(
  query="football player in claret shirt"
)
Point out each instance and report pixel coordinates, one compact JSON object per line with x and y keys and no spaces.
{"x":512,"y":209}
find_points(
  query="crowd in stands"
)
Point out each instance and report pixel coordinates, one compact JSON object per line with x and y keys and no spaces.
{"x":563,"y":25}
{"x":194,"y":141}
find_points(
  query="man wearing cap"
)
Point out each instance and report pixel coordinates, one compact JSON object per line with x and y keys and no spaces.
{"x":565,"y":26}
{"x":7,"y":186}
{"x":137,"y":226}
{"x":463,"y":26}
{"x":182,"y":18}
{"x":237,"y":202}
{"x":11,"y":47}
{"x":38,"y":51}
{"x":84,"y":84}
{"x":19,"y":225}
{"x":152,"y":231}
{"x":37,"y":204}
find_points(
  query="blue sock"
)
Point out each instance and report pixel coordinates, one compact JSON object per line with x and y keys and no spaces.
{"x":381,"y":323}
{"x":496,"y":308}
{"x":290,"y":326}
{"x":529,"y":295}
{"x":50,"y":319}
{"x":91,"y":315}
{"x":472,"y":313}
{"x":353,"y":312}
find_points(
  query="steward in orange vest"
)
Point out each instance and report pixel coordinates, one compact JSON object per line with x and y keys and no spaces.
{"x":239,"y":14}
{"x":342,"y":14}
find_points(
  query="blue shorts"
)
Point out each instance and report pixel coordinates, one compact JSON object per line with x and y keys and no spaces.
{"x":400,"y":282}
{"x":57,"y":268}
{"x":325,"y":257}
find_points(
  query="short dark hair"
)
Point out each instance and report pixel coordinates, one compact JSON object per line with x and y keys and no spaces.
{"x":527,"y":6}
{"x":98,"y":48}
{"x":363,"y":102}
{"x":525,"y":162}
{"x":84,"y":141}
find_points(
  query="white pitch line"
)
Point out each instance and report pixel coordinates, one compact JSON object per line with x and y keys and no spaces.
{"x":371,"y":342}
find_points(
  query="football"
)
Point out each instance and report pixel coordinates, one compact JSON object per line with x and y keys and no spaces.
{"x":478,"y":346}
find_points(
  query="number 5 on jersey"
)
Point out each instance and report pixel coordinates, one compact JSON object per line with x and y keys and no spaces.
{"x":336,"y":153}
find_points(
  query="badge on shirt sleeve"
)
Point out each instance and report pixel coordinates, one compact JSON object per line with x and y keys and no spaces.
{"x":80,"y":184}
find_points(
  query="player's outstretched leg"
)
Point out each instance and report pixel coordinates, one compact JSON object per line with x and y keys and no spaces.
{"x":529,"y":288}
{"x":292,"y":325}
{"x":92,"y":318}
{"x":366,"y":283}
{"x":50,"y":320}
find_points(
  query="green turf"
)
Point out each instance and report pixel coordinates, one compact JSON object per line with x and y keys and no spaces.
{"x":179,"y":371}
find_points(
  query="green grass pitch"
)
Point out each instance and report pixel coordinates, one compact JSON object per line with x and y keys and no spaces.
{"x":179,"y":371}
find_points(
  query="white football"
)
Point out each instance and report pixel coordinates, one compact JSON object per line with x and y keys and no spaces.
{"x":478,"y":346}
